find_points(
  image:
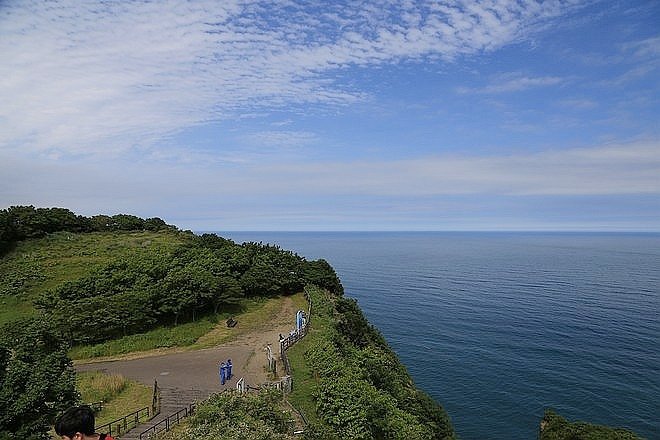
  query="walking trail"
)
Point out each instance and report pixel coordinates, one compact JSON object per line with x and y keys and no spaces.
{"x":198,"y":370}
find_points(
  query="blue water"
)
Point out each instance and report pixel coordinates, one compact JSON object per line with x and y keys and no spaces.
{"x":499,"y":326}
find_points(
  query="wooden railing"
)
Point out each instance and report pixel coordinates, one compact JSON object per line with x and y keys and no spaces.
{"x":124,"y":424}
{"x":96,"y":406}
{"x":287,"y":342}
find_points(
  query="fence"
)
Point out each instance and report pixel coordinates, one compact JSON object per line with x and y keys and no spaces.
{"x":96,"y":406}
{"x":155,"y":400}
{"x":287,"y":342}
{"x":122,"y":425}
{"x":167,"y":423}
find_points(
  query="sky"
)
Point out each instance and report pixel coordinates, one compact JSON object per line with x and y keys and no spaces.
{"x":332,"y":115}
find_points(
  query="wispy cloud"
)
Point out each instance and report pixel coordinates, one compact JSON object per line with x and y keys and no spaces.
{"x":607,"y":170}
{"x":513,"y":83}
{"x":108,"y":77}
{"x":269,"y":140}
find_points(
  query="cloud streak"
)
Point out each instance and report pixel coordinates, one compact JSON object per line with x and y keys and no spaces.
{"x":111,"y":77}
{"x":513,"y":83}
{"x":608,"y":170}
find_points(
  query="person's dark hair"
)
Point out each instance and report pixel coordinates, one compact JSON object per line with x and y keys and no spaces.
{"x":75,"y":419}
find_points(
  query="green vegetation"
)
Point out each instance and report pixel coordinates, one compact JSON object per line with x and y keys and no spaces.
{"x":115,"y":284}
{"x":230,"y":415}
{"x":350,"y":384}
{"x":36,"y":380}
{"x":119,"y":395}
{"x":555,"y":427}
{"x":137,"y":293}
{"x":39,"y":265}
{"x":102,"y":286}
{"x":163,"y":337}
{"x":19,"y":223}
{"x":204,"y":333}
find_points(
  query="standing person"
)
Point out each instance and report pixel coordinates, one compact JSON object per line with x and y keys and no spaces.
{"x":223,"y":373}
{"x":229,"y":365}
{"x":77,"y":423}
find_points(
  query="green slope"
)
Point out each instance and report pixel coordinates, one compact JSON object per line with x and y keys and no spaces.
{"x":37,"y":265}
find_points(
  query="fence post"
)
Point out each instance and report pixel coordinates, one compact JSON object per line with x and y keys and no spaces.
{"x":155,"y":401}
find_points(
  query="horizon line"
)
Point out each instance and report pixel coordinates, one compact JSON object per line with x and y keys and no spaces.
{"x":594,"y":231}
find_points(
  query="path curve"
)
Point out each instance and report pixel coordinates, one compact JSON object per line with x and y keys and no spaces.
{"x":199,"y":369}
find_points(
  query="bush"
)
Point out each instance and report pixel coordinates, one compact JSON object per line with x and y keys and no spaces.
{"x":230,"y":415}
{"x":555,"y":427}
{"x":362,"y":391}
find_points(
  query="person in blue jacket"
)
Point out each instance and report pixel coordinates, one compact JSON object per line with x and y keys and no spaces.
{"x":229,"y":369}
{"x":223,"y":373}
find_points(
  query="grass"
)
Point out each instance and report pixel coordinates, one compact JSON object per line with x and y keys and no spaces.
{"x":252,"y":315}
{"x":120,"y":396}
{"x":35,"y":266}
{"x":304,"y":380}
{"x":160,"y":338}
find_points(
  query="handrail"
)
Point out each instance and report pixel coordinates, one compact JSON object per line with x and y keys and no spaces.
{"x":96,"y":406}
{"x":287,"y":342}
{"x":169,"y":421}
{"x":155,"y":400}
{"x":122,"y":423}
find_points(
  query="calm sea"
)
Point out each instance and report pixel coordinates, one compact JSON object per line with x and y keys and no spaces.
{"x":499,"y":326}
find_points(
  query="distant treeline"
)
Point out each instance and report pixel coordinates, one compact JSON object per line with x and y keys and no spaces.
{"x":22,"y":222}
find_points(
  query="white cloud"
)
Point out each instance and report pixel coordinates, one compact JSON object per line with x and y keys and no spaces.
{"x":624,"y":169}
{"x":513,"y":83}
{"x":106,"y":77}
{"x":269,"y":140}
{"x":607,"y":170}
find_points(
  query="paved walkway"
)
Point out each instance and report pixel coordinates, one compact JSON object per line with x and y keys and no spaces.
{"x":189,"y":370}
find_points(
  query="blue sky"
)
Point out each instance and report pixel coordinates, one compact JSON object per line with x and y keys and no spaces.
{"x":360,"y":115}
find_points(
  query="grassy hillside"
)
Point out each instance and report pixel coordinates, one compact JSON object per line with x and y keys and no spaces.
{"x":37,"y":265}
{"x":350,"y":384}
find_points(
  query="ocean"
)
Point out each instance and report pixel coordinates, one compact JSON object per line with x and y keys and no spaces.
{"x":498,"y":326}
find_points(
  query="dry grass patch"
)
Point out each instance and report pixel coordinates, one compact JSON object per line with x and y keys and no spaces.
{"x":120,"y":396}
{"x":259,"y":316}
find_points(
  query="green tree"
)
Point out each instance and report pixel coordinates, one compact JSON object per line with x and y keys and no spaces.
{"x":226,"y":291}
{"x":321,"y":273}
{"x":154,"y":224}
{"x":101,"y":223}
{"x":37,"y":380}
{"x":259,"y":279}
{"x":125,"y":222}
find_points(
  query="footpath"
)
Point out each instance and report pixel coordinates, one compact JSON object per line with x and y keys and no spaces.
{"x":185,"y":378}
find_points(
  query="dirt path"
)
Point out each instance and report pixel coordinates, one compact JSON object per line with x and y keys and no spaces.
{"x":199,"y":369}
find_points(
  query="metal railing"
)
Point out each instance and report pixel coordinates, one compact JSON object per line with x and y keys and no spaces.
{"x":124,"y":424}
{"x":167,"y":423}
{"x":155,"y":400}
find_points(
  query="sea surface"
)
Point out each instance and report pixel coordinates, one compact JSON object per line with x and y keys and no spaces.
{"x":498,"y":326}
